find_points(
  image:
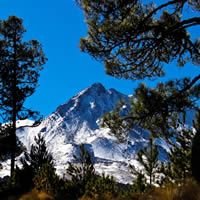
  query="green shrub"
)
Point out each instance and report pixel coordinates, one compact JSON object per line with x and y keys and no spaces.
{"x":81,"y":173}
{"x":46,"y":180}
{"x":99,"y":185}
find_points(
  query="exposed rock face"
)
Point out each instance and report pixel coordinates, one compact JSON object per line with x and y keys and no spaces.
{"x":76,"y":122}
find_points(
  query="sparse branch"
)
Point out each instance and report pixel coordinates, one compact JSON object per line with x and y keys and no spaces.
{"x":21,"y":63}
{"x":190,"y":85}
{"x":158,"y":9}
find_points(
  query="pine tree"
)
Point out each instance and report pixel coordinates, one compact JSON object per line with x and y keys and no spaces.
{"x":148,"y":158}
{"x":179,"y":166}
{"x":46,"y":180}
{"x":135,"y":38}
{"x":154,"y":109}
{"x":196,"y":149}
{"x":81,"y":172}
{"x":97,"y":186}
{"x":180,"y":156}
{"x":140,"y":181}
{"x":35,"y":162}
{"x":20,"y":64}
{"x":115,"y":123}
{"x":38,"y":155}
{"x":6,"y":145}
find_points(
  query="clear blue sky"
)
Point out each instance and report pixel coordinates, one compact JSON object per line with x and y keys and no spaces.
{"x":58,"y":25}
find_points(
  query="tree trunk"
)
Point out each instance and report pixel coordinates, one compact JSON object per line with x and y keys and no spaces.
{"x":14,"y":108}
{"x":13,"y":151}
{"x":196,"y":156}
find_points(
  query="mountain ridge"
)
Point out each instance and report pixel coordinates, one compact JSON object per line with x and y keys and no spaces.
{"x":76,"y":122}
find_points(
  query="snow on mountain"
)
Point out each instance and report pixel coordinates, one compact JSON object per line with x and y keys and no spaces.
{"x":76,"y":122}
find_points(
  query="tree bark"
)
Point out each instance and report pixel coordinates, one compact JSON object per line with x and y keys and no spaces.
{"x":14,"y":107}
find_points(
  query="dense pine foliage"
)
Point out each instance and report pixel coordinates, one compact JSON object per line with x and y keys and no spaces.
{"x":20,"y":64}
{"x":135,"y":41}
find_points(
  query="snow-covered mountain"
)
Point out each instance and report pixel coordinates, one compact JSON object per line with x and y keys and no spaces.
{"x":76,"y":122}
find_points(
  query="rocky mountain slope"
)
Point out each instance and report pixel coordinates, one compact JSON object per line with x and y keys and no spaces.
{"x":76,"y":122}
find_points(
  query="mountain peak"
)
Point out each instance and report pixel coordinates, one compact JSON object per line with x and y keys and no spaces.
{"x":96,"y":88}
{"x":95,"y":96}
{"x":97,"y":85}
{"x":76,"y":122}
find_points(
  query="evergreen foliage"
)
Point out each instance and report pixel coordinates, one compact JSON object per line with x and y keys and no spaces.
{"x":196,"y":149}
{"x":120,"y":128}
{"x":148,"y":158}
{"x":134,"y":39}
{"x":37,"y":161}
{"x":155,"y":109}
{"x":80,"y":172}
{"x":179,"y":167}
{"x":46,"y":180}
{"x":20,"y":64}
{"x":140,"y":181}
{"x":83,"y":180}
{"x":38,"y":155}
{"x":162,"y":111}
{"x":98,"y":185}
{"x":6,"y":144}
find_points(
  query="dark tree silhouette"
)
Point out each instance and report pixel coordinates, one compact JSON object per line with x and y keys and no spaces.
{"x":148,"y":158}
{"x":20,"y":64}
{"x":196,"y":149}
{"x":37,"y":167}
{"x":134,"y":40}
{"x":81,"y":172}
{"x":38,"y":155}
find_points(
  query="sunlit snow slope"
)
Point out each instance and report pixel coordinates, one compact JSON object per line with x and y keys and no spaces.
{"x":76,"y":122}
